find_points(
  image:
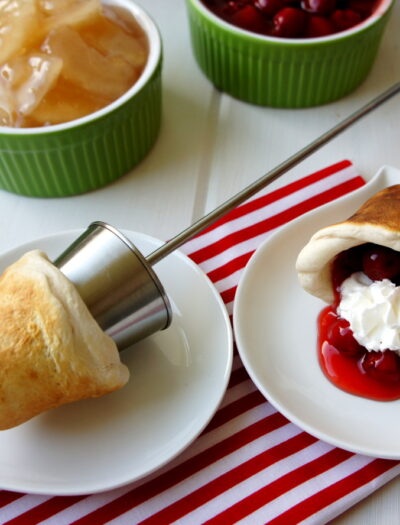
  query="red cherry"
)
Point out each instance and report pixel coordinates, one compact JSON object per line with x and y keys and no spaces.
{"x":345,"y":264}
{"x":231,"y":7}
{"x":341,"y":337}
{"x":269,"y":7}
{"x":319,"y":26}
{"x":345,"y":18}
{"x":364,"y":7}
{"x":289,"y":22}
{"x":319,"y":7}
{"x":248,"y":17}
{"x":383,"y":366}
{"x":380,"y":263}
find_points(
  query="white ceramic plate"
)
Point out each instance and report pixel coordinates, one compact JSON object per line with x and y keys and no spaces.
{"x":275,"y":324}
{"x":178,"y":378}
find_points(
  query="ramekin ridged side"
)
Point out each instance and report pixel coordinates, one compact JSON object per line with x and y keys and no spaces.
{"x":85,"y":157}
{"x":281,"y":73}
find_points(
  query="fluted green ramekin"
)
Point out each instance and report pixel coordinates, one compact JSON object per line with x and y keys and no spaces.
{"x":90,"y":152}
{"x":282,"y":72}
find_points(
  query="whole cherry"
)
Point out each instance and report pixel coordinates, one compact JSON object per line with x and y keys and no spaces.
{"x":382,"y":365}
{"x":365,"y":7}
{"x":380,"y":263}
{"x":318,"y":26}
{"x":346,"y":263}
{"x":289,"y":22}
{"x":231,"y":7}
{"x":269,"y":7}
{"x":341,"y":337}
{"x":345,"y":18}
{"x":248,"y":17}
{"x":319,"y":7}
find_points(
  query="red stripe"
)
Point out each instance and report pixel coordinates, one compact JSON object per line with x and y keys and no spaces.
{"x":275,"y":221}
{"x":182,"y":471}
{"x":334,"y":492}
{"x":228,"y":480}
{"x":280,"y":193}
{"x":280,"y":486}
{"x":235,"y":409}
{"x":229,"y":445}
{"x":238,"y":376}
{"x":59,"y":503}
{"x":7,"y":497}
{"x":44,"y":510}
{"x":228,"y":295}
{"x":230,"y":267}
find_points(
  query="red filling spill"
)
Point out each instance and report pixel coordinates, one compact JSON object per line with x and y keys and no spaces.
{"x":291,"y":18}
{"x":348,"y":365}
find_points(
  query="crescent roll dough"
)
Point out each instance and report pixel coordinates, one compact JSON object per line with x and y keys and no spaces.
{"x":376,"y":221}
{"x":52,"y":351}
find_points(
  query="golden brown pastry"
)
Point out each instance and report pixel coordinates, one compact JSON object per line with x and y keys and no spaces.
{"x":52,"y":351}
{"x":377,"y":221}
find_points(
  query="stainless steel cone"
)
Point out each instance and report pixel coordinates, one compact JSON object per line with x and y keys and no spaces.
{"x":119,"y":288}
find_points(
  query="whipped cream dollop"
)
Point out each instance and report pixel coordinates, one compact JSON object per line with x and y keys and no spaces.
{"x":373,"y":310}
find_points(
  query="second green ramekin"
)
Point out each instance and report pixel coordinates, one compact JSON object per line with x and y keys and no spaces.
{"x":281,"y":72}
{"x":90,"y":152}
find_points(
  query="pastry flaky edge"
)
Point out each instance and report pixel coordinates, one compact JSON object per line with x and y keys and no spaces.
{"x":376,"y":221}
{"x":52,"y":351}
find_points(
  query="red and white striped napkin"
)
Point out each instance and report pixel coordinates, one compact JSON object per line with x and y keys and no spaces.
{"x":250,"y":465}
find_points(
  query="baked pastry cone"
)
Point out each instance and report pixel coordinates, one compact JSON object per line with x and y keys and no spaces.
{"x":376,"y":221}
{"x":52,"y":351}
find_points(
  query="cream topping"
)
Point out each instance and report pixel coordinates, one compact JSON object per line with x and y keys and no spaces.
{"x":373,"y":310}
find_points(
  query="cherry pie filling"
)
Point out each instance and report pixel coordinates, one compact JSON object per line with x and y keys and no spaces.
{"x":347,"y":364}
{"x":291,"y":18}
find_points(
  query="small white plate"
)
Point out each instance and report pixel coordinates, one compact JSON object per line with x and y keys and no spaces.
{"x":178,"y":378}
{"x":275,"y":325}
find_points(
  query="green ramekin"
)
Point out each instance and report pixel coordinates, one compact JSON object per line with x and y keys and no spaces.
{"x":282,"y":72}
{"x":90,"y":152}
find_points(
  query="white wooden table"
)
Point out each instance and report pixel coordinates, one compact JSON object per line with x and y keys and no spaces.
{"x":210,"y":147}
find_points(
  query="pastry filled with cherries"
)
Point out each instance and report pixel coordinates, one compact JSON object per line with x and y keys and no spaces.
{"x":354,"y":266}
{"x":293,"y":19}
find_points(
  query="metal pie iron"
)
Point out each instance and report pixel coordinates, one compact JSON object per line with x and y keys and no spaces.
{"x":118,"y":283}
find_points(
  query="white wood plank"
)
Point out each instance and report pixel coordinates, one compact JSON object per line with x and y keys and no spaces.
{"x":381,"y":508}
{"x":211,"y":146}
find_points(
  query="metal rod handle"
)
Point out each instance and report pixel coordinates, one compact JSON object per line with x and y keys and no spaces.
{"x":269,"y":177}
